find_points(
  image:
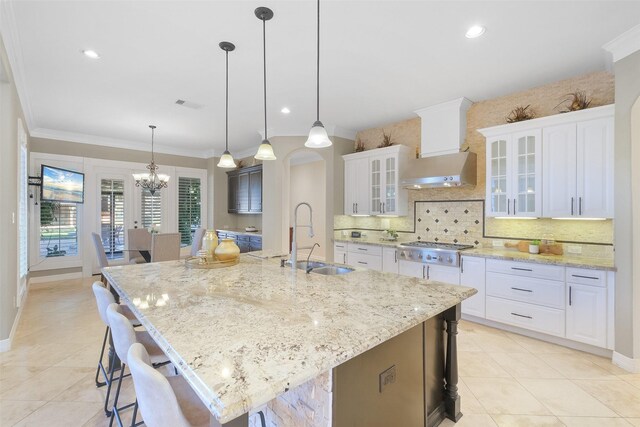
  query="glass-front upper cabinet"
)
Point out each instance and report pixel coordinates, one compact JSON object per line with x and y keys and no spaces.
{"x":514,"y":169}
{"x":384,"y":184}
{"x":390,"y":185}
{"x":375,"y":169}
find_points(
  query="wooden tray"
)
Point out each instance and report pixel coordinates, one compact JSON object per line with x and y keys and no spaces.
{"x":197,"y":262}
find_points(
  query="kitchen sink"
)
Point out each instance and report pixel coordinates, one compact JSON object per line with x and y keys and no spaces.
{"x":332,"y":270}
{"x":303,"y":265}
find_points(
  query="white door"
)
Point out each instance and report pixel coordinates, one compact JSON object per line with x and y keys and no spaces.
{"x":361,"y":196}
{"x":441,"y":273}
{"x":498,"y":183}
{"x":412,"y":269}
{"x":472,"y":274}
{"x":526,"y":172}
{"x":587,"y":314}
{"x":595,"y":168}
{"x":390,"y":260}
{"x":150,"y":210}
{"x":559,"y":171}
{"x":115,"y":213}
{"x":340,"y":252}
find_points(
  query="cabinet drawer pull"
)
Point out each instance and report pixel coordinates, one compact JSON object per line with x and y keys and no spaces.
{"x":521,"y":315}
{"x":363,"y":249}
{"x":362,"y":262}
{"x":522,"y":290}
{"x":585,"y":277}
{"x":521,"y":269}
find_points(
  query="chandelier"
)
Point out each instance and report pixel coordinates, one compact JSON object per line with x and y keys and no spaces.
{"x":152,"y":181}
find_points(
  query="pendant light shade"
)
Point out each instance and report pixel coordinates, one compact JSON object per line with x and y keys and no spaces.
{"x":318,"y":137}
{"x":265,"y":151}
{"x":226,"y":161}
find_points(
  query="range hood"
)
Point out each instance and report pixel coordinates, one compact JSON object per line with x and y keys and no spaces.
{"x":447,"y":170}
{"x":441,"y":164}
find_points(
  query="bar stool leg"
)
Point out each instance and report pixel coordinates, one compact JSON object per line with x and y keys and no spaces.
{"x":100,"y":364}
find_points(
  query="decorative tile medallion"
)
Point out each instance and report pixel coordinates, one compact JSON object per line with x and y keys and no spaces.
{"x":454,"y":221}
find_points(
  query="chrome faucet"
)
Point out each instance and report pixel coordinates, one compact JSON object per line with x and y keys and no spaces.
{"x":294,"y":245}
{"x":309,"y":256}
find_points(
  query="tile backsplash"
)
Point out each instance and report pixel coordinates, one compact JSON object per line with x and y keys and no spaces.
{"x":450,"y":222}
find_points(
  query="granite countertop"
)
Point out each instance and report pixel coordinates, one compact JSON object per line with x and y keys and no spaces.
{"x":241,"y":231}
{"x":245,"y":334}
{"x":605,"y":263}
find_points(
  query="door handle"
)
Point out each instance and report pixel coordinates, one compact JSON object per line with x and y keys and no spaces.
{"x":461,"y":265}
{"x":356,"y":207}
{"x":423,"y":273}
{"x":344,"y":258}
{"x":572,"y":206}
{"x":508,"y":206}
{"x":428,"y":272}
{"x":579,"y":205}
{"x":395,"y":257}
{"x":514,"y":206}
{"x":569,"y":295}
{"x":384,"y":208}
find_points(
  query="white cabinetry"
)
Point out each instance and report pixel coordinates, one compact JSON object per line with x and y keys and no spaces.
{"x":390,"y":260}
{"x":363,"y":255}
{"x":413,"y":269}
{"x":558,"y":166}
{"x":372,"y":181}
{"x":356,"y":186}
{"x":444,"y":274}
{"x":472,"y":274}
{"x":587,"y":306}
{"x":578,"y":169}
{"x":340,"y":252}
{"x":514,"y":170}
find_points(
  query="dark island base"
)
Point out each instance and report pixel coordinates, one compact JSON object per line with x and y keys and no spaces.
{"x":410,"y":380}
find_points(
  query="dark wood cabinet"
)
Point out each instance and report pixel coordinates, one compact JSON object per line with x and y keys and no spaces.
{"x":245,"y":190}
{"x":245,"y":242}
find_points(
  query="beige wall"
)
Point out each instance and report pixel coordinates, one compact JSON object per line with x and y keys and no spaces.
{"x":627,"y":192}
{"x":10,"y":111}
{"x":307,"y":184}
{"x":543,"y":99}
{"x":635,"y":210}
{"x":53,"y":146}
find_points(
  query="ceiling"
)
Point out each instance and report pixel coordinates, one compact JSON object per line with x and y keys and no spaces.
{"x":380,"y":61}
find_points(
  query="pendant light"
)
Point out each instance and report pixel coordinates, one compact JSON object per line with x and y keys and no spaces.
{"x":318,"y":137}
{"x":226,"y":160}
{"x":265,"y":151}
{"x":152,"y":181}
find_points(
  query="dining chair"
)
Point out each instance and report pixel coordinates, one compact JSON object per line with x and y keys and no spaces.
{"x":102,"y":255}
{"x":124,"y":336}
{"x":104,"y":298}
{"x":165,"y":247}
{"x":196,"y":243}
{"x":138,"y":239}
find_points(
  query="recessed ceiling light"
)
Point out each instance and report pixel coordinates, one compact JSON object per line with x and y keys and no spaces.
{"x":91,"y":54}
{"x":475,"y":31}
{"x":285,"y":110}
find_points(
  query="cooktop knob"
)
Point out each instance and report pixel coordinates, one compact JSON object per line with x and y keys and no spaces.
{"x":450,"y":260}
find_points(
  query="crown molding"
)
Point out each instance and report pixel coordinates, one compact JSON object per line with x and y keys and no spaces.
{"x":11,"y":39}
{"x":80,"y":138}
{"x":625,"y":44}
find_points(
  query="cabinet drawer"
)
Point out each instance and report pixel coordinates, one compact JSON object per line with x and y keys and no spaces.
{"x":256,"y":240}
{"x":585,"y":276}
{"x":242,"y":238}
{"x":526,"y":289}
{"x":529,"y":269}
{"x":339,"y":246}
{"x":364,"y":249}
{"x":374,"y":262}
{"x":535,"y":317}
{"x":340,"y":256}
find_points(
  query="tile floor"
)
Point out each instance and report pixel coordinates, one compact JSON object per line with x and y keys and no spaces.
{"x":505,"y":379}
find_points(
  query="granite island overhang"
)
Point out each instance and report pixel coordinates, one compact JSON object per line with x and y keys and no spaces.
{"x":244,"y":335}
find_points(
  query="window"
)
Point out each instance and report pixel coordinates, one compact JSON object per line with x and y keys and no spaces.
{"x":112,"y":217}
{"x":22,"y":211}
{"x":151,"y":210}
{"x":58,"y":229}
{"x":188,"y":208}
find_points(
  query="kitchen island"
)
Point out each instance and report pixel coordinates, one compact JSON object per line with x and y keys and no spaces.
{"x":260,"y":336}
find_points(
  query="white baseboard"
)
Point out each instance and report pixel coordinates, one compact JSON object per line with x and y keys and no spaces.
{"x":626,"y":363}
{"x":54,"y":278}
{"x":5,"y":344}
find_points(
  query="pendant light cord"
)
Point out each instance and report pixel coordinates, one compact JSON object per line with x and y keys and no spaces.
{"x":264,"y":61}
{"x":226,"y":107}
{"x":318,"y":69}
{"x":152,"y":132}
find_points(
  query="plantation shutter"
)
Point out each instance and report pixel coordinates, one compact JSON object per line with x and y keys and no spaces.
{"x":58,"y":229}
{"x":151,"y":209}
{"x":188,"y":208}
{"x":112,"y":216}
